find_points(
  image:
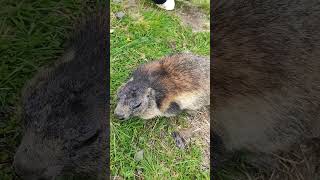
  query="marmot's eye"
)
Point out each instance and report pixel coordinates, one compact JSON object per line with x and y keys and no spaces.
{"x":137,"y":105}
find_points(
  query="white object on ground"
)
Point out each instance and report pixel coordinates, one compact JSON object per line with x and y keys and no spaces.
{"x":168,"y":5}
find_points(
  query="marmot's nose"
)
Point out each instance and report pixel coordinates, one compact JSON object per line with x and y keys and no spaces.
{"x":24,"y":168}
{"x":119,"y":113}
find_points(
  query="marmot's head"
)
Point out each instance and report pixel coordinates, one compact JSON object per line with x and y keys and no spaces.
{"x":136,"y":99}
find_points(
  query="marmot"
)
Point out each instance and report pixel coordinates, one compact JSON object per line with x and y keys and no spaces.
{"x":64,"y":110}
{"x":166,"y":87}
{"x":265,"y":75}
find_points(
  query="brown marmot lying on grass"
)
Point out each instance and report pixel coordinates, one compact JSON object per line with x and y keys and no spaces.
{"x":265,"y":75}
{"x":166,"y":87}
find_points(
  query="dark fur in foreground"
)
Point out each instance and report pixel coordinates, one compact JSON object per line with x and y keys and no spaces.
{"x":265,"y":75}
{"x":64,"y":110}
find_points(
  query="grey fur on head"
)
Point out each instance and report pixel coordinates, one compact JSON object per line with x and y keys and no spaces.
{"x":165,"y":87}
{"x":63,"y":110}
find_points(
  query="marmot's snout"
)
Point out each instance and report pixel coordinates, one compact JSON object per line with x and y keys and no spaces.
{"x":121,"y":113}
{"x":29,"y":164}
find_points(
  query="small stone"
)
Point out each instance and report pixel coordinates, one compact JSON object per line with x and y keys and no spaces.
{"x":120,"y":15}
{"x":117,"y":1}
{"x":139,"y":172}
{"x":111,"y":30}
{"x":138,"y":156}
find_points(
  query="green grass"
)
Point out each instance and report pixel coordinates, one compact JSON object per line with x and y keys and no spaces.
{"x":144,"y":34}
{"x":32,"y":34}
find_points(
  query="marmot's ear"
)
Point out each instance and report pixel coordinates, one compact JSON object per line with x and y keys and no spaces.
{"x":119,"y":89}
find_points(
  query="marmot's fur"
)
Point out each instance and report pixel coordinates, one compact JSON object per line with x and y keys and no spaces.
{"x":64,"y":110}
{"x":265,"y":74}
{"x":166,"y":87}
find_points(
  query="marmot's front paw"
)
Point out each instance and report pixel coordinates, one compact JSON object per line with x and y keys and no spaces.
{"x":180,"y":142}
{"x":182,"y":138}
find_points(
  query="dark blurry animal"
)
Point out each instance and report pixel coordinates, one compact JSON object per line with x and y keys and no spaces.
{"x":166,"y":87}
{"x":64,"y":111}
{"x":265,"y":75}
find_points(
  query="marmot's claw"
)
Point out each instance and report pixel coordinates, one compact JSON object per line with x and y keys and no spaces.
{"x":180,"y":141}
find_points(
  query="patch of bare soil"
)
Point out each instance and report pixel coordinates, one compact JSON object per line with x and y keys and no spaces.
{"x":131,"y":4}
{"x":192,"y":16}
{"x":197,"y":133}
{"x":200,"y":122}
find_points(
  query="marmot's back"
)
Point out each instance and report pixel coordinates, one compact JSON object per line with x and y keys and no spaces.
{"x":181,"y":77}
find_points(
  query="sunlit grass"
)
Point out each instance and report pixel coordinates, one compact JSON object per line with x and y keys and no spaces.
{"x":143,"y":35}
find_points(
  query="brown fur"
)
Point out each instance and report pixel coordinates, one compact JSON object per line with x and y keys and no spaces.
{"x":176,"y":81}
{"x":265,"y":74}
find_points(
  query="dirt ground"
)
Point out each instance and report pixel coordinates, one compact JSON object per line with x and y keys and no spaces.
{"x":198,"y":133}
{"x":193,"y":17}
